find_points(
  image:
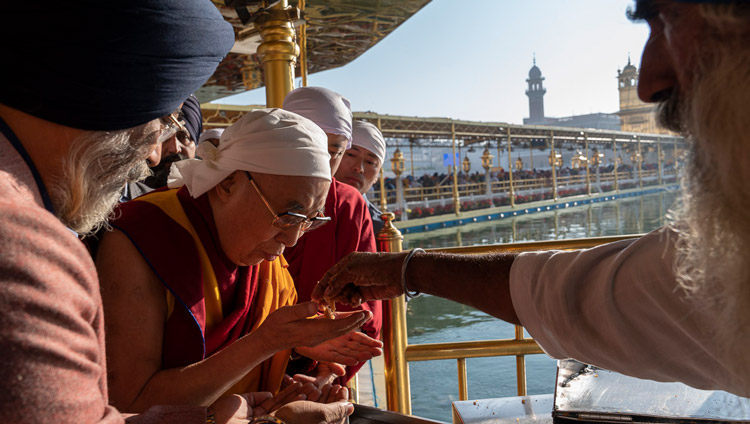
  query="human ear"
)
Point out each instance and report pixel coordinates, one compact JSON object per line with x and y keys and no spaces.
{"x":228,"y":186}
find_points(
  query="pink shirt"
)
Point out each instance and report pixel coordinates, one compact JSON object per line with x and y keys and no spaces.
{"x":53,"y":367}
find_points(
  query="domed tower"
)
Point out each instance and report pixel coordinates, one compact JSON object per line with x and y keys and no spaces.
{"x":627,"y":80}
{"x":535,"y":92}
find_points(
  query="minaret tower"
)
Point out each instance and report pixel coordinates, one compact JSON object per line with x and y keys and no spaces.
{"x":627,"y":83}
{"x":536,"y":92}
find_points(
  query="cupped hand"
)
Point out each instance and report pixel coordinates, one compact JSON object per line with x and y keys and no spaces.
{"x":290,"y":327}
{"x":362,"y":276}
{"x":306,"y":412}
{"x":348,"y":349}
{"x":237,"y":409}
{"x":325,"y":373}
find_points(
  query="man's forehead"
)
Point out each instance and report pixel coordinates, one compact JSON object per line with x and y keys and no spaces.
{"x":367,"y":151}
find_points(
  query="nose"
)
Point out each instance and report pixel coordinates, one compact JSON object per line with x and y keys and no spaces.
{"x":170,"y":147}
{"x":290,"y":236}
{"x":657,"y":75}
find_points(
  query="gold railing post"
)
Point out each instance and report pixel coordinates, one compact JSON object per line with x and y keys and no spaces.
{"x":614,"y":160}
{"x":456,"y":202}
{"x":531,"y":157}
{"x":520,"y":366}
{"x":278,"y":51}
{"x":659,"y":162}
{"x":511,"y":190}
{"x":640,"y":163}
{"x":398,"y":394}
{"x":463,"y":383}
{"x":554,"y":164}
{"x":588,"y":162}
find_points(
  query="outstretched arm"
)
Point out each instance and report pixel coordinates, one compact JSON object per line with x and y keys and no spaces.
{"x":480,"y":281}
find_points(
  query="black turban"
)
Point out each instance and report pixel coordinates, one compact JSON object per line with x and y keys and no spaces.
{"x":191,"y":111}
{"x":107,"y":64}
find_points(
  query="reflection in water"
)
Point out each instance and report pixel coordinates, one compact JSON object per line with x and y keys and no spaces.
{"x":434,"y":384}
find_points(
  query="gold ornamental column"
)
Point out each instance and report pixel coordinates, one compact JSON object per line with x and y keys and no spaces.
{"x":639,"y":157}
{"x":278,"y":51}
{"x":398,"y":394}
{"x":511,"y":190}
{"x":614,"y":161}
{"x":659,"y":160}
{"x":553,"y":162}
{"x":456,"y":203}
{"x":588,"y":163}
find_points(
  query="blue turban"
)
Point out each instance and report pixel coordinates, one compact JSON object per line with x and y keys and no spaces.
{"x":107,"y":65}
{"x":191,"y":111}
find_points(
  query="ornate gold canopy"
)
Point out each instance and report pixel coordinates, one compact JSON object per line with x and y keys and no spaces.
{"x":338,"y":31}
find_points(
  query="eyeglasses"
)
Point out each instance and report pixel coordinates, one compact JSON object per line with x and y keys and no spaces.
{"x":287,"y":220}
{"x":174,"y":125}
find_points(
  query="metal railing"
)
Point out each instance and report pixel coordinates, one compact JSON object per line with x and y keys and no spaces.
{"x":607,"y":182}
{"x":398,"y":352}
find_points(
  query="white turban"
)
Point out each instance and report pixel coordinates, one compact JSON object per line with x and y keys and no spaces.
{"x":212,"y":133}
{"x":368,"y":136}
{"x":268,"y":141}
{"x":330,"y":110}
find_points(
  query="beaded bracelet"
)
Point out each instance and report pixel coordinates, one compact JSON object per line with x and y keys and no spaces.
{"x":210,"y":417}
{"x":266,"y":419}
{"x":407,"y":293}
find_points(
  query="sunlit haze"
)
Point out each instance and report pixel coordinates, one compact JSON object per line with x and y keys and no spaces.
{"x":470,"y":60}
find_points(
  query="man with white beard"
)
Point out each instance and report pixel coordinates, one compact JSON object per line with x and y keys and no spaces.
{"x":670,"y":306}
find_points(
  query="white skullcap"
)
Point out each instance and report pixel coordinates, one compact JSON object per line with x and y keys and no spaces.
{"x":368,"y":136}
{"x":330,"y":110}
{"x":212,"y":133}
{"x":268,"y":141}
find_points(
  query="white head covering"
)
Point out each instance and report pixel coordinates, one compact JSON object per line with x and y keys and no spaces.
{"x":269,"y":141}
{"x":368,"y":136}
{"x":212,"y":133}
{"x":330,"y":110}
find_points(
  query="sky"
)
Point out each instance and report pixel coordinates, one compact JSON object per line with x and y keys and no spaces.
{"x":469,"y":59}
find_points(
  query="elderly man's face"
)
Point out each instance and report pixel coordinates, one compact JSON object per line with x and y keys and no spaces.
{"x":336,"y":148}
{"x":359,"y":168}
{"x":244,"y":223}
{"x":669,"y":58}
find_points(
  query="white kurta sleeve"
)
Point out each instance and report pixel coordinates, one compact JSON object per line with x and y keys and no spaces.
{"x":618,"y":306}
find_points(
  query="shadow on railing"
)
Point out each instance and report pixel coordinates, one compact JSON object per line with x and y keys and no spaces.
{"x":398,"y":353}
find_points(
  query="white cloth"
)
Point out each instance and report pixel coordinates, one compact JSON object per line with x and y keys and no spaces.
{"x":618,"y":306}
{"x":368,"y":136}
{"x":212,"y":133}
{"x":268,"y":141}
{"x":330,"y":110}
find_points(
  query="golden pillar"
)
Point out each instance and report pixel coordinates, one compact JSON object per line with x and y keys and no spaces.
{"x":639,"y":157}
{"x":553,"y":161}
{"x":511,"y":191}
{"x":588,"y":171}
{"x":659,"y":161}
{"x":615,"y":161}
{"x":278,"y":52}
{"x":456,"y":203}
{"x":398,"y":395}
